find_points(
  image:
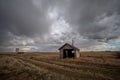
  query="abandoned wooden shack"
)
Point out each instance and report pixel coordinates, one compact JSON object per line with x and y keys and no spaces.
{"x":69,"y":51}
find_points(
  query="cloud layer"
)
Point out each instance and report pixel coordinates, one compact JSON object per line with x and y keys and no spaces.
{"x":44,"y":25}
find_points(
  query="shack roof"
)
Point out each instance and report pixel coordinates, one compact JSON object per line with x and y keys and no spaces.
{"x":68,"y":45}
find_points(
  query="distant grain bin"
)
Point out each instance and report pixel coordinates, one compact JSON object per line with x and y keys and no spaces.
{"x":69,"y":51}
{"x":17,"y":50}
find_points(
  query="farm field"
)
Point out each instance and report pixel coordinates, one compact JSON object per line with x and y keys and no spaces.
{"x":48,"y":66}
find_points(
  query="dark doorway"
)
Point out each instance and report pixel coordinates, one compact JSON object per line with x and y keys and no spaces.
{"x":68,"y":53}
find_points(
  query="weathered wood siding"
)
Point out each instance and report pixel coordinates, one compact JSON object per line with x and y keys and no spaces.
{"x":77,"y":54}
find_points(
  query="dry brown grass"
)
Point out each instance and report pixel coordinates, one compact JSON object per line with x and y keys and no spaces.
{"x":48,"y":66}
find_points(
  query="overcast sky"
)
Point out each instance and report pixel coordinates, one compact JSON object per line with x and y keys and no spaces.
{"x":45,"y":25}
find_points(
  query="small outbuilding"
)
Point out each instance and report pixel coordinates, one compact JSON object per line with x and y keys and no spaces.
{"x":69,"y":51}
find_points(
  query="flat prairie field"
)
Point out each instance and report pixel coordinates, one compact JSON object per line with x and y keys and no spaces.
{"x":48,"y":66}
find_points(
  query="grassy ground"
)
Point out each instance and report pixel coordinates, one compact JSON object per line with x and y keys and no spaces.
{"x":48,"y":66}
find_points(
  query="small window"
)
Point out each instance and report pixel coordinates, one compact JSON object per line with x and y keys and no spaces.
{"x":73,"y":51}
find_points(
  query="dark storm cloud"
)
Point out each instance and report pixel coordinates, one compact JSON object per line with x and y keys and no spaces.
{"x":22,"y":17}
{"x":87,"y":15}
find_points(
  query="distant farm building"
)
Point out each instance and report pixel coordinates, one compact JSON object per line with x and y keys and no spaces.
{"x":69,"y":51}
{"x":18,"y":51}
